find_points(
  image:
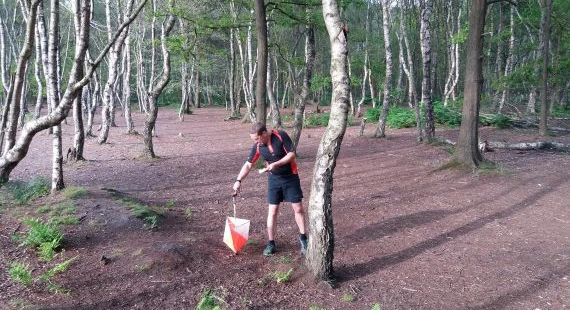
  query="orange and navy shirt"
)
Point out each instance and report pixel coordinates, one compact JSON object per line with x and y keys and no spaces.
{"x":281,"y":144}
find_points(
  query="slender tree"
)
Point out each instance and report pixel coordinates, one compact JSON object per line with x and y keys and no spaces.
{"x":545,"y":31}
{"x":260,"y":90}
{"x":320,"y":254}
{"x":157,"y":89}
{"x":381,"y":128}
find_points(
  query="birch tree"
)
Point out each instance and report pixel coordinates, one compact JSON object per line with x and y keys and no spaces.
{"x":113,"y":72}
{"x":381,"y":128}
{"x":19,"y":76}
{"x":52,"y":79}
{"x":425,"y":40}
{"x":18,"y":151}
{"x":157,"y":89}
{"x":320,"y":253}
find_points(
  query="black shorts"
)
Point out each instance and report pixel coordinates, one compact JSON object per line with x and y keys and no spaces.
{"x":284,"y":189}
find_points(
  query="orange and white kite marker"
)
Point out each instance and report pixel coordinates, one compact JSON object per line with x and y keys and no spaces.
{"x":236,"y":232}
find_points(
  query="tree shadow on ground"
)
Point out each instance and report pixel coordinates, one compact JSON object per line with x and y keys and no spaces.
{"x":362,"y":269}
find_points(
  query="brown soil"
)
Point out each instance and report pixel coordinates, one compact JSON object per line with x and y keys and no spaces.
{"x":407,"y":234}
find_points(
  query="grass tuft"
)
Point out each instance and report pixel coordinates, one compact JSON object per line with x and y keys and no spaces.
{"x":20,"y":273}
{"x":25,"y":192}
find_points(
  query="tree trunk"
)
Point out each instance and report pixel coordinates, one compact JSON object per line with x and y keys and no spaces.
{"x":234,"y":105}
{"x":38,"y":77}
{"x":309,"y":66}
{"x":127,"y":78}
{"x":76,"y":152}
{"x":381,"y":128}
{"x":261,"y":24}
{"x":320,"y":254}
{"x":425,"y":38}
{"x":107,"y":112}
{"x":17,"y":89}
{"x":545,"y":30}
{"x":510,"y":62}
{"x":467,"y":152}
{"x":155,"y":92}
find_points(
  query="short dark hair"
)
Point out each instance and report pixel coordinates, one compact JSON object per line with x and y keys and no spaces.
{"x":258,"y":128}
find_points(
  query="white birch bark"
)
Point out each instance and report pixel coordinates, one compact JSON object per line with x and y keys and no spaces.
{"x":381,"y":128}
{"x":25,"y":54}
{"x":54,"y":98}
{"x":425,"y":39}
{"x":157,"y":89}
{"x":113,"y":72}
{"x":321,"y":238}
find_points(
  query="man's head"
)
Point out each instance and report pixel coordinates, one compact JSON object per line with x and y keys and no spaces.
{"x":259,"y":133}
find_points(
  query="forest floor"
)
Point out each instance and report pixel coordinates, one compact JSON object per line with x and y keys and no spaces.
{"x":408,"y":235}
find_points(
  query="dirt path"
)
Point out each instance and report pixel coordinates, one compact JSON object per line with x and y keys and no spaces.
{"x":407,"y":236}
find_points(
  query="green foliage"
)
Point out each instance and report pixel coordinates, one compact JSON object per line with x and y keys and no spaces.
{"x":64,"y":220}
{"x":282,"y":276}
{"x":46,"y":237}
{"x":316,"y":308}
{"x":446,"y":115}
{"x":188,"y":212}
{"x":322,"y":119}
{"x":372,"y":114}
{"x":25,"y":192}
{"x":20,"y":273}
{"x":316,"y":120}
{"x":399,"y":117}
{"x":59,"y":268}
{"x":376,"y":306}
{"x":209,"y":301}
{"x":561,"y":111}
{"x":169,"y":204}
{"x":150,"y":215}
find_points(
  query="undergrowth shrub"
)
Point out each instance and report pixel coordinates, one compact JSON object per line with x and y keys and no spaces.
{"x":24,"y":192}
{"x":44,"y":237}
{"x":399,"y":117}
{"x":322,"y":119}
{"x":150,"y":215}
{"x":20,"y":273}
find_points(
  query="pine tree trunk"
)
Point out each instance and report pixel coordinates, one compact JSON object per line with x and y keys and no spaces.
{"x":545,"y":31}
{"x":467,"y":152}
{"x":320,"y":254}
{"x":260,"y":90}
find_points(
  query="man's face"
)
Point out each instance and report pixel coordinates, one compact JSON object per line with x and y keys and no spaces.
{"x":259,"y":139}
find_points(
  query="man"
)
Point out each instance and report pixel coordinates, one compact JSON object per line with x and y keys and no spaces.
{"x":283,"y":184}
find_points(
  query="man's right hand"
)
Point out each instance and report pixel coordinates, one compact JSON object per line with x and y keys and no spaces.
{"x":236,"y":187}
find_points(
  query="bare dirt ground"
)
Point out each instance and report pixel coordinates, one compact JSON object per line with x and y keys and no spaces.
{"x":407,"y":235}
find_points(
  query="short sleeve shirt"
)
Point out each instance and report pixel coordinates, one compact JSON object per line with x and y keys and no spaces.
{"x":280,"y":149}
